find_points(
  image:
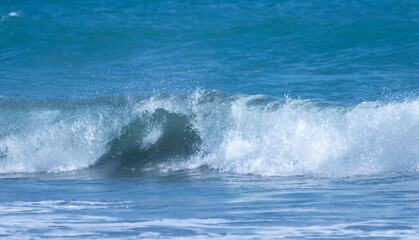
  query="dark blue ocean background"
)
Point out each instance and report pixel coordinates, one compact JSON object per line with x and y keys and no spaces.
{"x":209,"y":119}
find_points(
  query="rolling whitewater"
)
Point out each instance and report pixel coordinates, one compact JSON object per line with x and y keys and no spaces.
{"x":209,"y":120}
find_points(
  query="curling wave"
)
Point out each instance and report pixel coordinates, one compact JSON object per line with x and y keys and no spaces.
{"x":225,"y":132}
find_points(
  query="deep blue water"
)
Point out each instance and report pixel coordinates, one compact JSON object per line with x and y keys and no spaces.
{"x":209,"y":119}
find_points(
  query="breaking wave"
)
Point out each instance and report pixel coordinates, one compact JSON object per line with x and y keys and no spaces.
{"x":225,"y":132}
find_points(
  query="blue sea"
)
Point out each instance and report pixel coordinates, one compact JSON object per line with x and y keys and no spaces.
{"x":215,"y":119}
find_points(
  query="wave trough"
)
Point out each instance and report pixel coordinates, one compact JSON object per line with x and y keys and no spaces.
{"x":232,"y":133}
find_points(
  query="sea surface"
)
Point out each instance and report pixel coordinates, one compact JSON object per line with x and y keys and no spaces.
{"x":209,"y":119}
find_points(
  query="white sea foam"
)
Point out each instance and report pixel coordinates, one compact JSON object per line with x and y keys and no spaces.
{"x":56,"y":140}
{"x":14,"y":14}
{"x":62,"y":219}
{"x":300,"y":137}
{"x":239,"y":134}
{"x":10,"y":15}
{"x":51,"y":206}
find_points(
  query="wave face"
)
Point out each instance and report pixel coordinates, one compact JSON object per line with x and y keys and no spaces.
{"x":239,"y":134}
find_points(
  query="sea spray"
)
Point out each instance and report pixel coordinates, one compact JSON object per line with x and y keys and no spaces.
{"x":242,"y":134}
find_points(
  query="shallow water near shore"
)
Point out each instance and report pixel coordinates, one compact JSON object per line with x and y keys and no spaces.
{"x":202,"y":204}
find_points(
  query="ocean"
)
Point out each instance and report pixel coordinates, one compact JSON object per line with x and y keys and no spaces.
{"x":209,"y":119}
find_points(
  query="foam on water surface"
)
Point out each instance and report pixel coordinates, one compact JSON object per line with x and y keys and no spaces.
{"x":225,"y":132}
{"x":57,"y":219}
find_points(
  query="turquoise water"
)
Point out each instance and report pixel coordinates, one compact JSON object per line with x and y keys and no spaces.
{"x":209,"y":119}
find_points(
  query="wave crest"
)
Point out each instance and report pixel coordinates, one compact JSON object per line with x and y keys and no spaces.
{"x":226,"y":132}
